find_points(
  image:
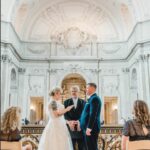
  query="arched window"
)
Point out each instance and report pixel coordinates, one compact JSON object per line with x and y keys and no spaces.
{"x":134,"y":79}
{"x":13,"y":81}
{"x":13,"y":88}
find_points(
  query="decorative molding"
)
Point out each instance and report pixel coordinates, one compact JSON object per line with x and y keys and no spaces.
{"x":21,"y":70}
{"x":53,"y":71}
{"x":36,"y":85}
{"x":110,"y":49}
{"x":37,"y":48}
{"x":109,"y":137}
{"x":143,"y":57}
{"x":131,"y":49}
{"x":5,"y":58}
{"x":125,"y":70}
{"x":110,"y":85}
{"x":73,"y":38}
{"x":110,"y":71}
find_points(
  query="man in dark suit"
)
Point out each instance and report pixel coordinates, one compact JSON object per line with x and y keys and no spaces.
{"x":90,"y":118}
{"x":73,"y":117}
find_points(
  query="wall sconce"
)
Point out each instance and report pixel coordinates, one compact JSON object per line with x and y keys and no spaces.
{"x":115,"y":107}
{"x":32,"y":108}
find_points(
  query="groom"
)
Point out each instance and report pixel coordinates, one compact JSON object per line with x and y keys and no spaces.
{"x":90,"y":118}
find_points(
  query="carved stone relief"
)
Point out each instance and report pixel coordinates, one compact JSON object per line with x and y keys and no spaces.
{"x":125,"y":70}
{"x":13,"y":81}
{"x":73,"y":41}
{"x":74,"y":26}
{"x":5,"y":58}
{"x":84,"y":50}
{"x":37,"y":48}
{"x":110,"y":48}
{"x":36,"y":71}
{"x":134,"y":79}
{"x":110,"y":85}
{"x":21,"y":70}
{"x":36,"y":85}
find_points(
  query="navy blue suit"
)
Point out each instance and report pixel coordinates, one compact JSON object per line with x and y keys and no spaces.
{"x":90,"y":118}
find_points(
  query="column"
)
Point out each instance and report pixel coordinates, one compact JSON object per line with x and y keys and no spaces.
{"x":125,"y":107}
{"x":21,"y":87}
{"x":142,"y":78}
{"x":148,"y":64}
{"x":5,"y":79}
{"x":147,"y":77}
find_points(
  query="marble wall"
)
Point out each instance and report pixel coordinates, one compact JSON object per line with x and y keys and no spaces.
{"x":24,"y":75}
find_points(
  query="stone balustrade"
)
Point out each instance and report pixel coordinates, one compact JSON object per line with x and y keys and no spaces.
{"x":109,"y":137}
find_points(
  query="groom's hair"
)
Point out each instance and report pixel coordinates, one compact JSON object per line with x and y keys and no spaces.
{"x":93,"y":85}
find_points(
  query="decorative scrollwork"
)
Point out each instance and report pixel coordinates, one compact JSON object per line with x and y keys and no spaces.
{"x":30,"y":139}
{"x":73,"y":38}
{"x":109,"y":137}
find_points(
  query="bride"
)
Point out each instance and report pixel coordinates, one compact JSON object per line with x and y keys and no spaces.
{"x":56,"y":135}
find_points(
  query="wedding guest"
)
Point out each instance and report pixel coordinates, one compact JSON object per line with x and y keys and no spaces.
{"x":137,"y":128}
{"x":11,"y":126}
{"x":26,"y":121}
{"x":73,"y":117}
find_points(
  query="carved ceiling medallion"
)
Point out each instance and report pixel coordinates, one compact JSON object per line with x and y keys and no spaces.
{"x":73,"y":38}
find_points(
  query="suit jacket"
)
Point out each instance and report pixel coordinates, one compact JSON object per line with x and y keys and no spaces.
{"x":90,"y":117}
{"x":74,"y":114}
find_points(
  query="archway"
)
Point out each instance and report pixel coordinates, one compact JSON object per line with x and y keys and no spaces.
{"x":36,"y":110}
{"x":111,"y":110}
{"x":71,"y":80}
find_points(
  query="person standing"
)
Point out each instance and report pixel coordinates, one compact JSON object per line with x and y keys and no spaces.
{"x":73,"y":117}
{"x":90,"y":118}
{"x":56,"y":135}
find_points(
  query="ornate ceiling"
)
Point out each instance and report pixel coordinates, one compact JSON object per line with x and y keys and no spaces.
{"x":97,"y":20}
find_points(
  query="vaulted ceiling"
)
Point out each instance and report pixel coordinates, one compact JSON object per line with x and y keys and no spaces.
{"x":106,"y":20}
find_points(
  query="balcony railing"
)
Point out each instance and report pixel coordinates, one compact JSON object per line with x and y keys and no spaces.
{"x":109,"y":137}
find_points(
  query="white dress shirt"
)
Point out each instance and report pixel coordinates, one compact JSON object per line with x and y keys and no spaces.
{"x":75,"y":101}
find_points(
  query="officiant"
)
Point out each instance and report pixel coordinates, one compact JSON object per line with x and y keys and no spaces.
{"x":72,"y":117}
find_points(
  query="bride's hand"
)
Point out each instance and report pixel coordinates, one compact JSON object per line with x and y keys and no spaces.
{"x":70,"y":107}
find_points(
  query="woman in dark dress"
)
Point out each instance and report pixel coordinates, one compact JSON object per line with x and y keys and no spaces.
{"x":11,"y":126}
{"x":139,"y":127}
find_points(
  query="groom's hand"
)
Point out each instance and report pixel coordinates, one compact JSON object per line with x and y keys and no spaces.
{"x":88,"y":132}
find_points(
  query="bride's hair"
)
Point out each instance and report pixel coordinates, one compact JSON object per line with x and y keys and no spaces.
{"x":55,"y":90}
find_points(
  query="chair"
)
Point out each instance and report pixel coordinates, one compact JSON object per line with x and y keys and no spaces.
{"x":138,"y":145}
{"x":10,"y":145}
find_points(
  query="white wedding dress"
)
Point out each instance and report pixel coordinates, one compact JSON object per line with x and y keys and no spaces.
{"x":55,"y":135}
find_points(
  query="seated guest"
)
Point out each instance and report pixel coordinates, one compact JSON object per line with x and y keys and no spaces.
{"x":11,"y":126}
{"x":137,"y":128}
{"x":26,"y":121}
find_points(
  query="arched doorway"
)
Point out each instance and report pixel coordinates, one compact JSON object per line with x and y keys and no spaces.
{"x":111,"y":110}
{"x":36,"y":110}
{"x":71,"y":80}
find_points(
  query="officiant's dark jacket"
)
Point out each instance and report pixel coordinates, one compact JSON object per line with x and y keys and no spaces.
{"x":90,"y":117}
{"x":74,"y":114}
